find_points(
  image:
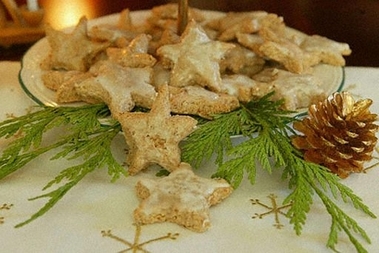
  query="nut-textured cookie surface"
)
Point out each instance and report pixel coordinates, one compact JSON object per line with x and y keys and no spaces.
{"x":182,"y":198}
{"x":153,"y":137}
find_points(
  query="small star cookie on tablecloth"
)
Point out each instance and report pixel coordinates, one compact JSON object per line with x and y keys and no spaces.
{"x":72,"y":51}
{"x":182,"y":197}
{"x":195,"y":60}
{"x":153,"y":137}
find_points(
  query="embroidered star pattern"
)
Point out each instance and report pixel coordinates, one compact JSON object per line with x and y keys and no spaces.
{"x":274,"y":209}
{"x":195,"y":59}
{"x":182,"y":198}
{"x":4,"y":207}
{"x":153,"y":137}
{"x":136,"y":245}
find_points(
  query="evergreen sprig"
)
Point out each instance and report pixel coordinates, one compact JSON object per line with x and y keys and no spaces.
{"x":84,"y":138}
{"x":267,"y":134}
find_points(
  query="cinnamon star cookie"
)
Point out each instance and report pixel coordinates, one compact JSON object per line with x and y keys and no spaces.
{"x":195,"y":60}
{"x":153,"y":137}
{"x":182,"y":197}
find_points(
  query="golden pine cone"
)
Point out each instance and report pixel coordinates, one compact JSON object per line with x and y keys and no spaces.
{"x":339,"y":134}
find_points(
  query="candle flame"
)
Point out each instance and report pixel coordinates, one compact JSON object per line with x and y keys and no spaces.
{"x":67,"y":13}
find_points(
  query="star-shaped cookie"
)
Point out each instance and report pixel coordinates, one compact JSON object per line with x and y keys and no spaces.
{"x":327,"y":50}
{"x":73,"y":51}
{"x":135,"y":54}
{"x":125,"y":21}
{"x":195,"y":59}
{"x":182,"y":198}
{"x":121,"y":88}
{"x":237,"y":22}
{"x":153,"y":137}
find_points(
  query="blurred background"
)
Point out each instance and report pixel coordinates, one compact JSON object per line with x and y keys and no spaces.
{"x":355,"y":22}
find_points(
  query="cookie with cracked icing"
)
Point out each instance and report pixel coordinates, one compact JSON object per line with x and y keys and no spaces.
{"x":121,"y":88}
{"x":195,"y":60}
{"x":182,"y":198}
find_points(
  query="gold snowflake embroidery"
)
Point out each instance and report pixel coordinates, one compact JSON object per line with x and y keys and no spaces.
{"x":136,"y":245}
{"x":274,"y":209}
{"x":4,"y":207}
{"x":10,"y":115}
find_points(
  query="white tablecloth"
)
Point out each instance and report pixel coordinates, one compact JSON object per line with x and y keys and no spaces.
{"x":76,"y":223}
